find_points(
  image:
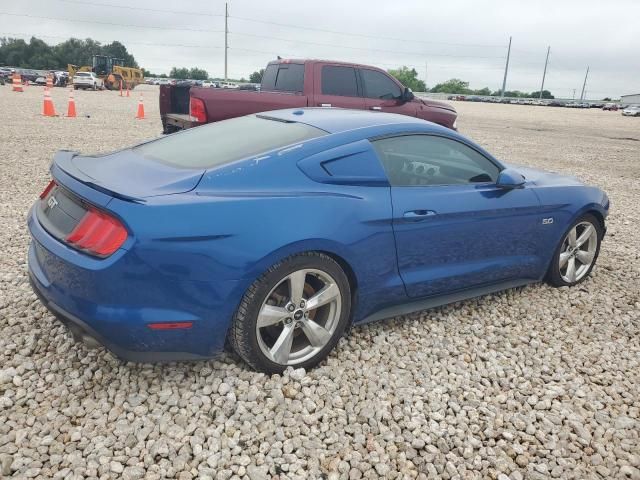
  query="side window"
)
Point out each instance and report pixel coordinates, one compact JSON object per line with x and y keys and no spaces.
{"x":339,"y":81}
{"x":378,"y":85}
{"x":419,"y":160}
{"x":283,"y":77}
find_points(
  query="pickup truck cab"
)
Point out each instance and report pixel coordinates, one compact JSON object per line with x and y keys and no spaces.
{"x":300,"y":83}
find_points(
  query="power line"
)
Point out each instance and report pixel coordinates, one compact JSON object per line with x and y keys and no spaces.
{"x":363,"y":34}
{"x":154,"y":44}
{"x":127,"y":7}
{"x":107,"y":23}
{"x":360,"y":48}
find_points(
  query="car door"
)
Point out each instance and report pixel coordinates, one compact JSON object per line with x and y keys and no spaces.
{"x":383,"y":93}
{"x":337,"y":86}
{"x":454,"y":227}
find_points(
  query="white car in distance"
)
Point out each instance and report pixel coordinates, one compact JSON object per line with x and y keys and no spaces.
{"x":86,"y":80}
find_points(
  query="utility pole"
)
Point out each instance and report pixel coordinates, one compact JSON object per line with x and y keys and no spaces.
{"x":506,"y":69}
{"x":544,"y":74}
{"x":426,"y":71}
{"x":226,"y":41}
{"x":584,"y":84}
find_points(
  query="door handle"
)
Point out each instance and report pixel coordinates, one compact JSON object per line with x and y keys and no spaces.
{"x":375,"y":108}
{"x":324,"y":105}
{"x":417,"y":215}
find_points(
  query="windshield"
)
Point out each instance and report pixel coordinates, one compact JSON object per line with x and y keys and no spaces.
{"x":224,"y":142}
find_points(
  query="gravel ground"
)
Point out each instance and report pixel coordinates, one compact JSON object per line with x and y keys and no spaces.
{"x":531,"y":383}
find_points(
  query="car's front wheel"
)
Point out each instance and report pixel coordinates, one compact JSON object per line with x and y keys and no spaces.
{"x":293,"y":315}
{"x":577,"y":253}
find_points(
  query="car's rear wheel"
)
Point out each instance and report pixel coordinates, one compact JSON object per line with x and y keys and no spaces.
{"x":576,"y":255}
{"x":293,"y":315}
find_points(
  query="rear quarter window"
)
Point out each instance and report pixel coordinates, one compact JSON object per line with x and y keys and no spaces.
{"x":224,"y":142}
{"x":283,"y":77}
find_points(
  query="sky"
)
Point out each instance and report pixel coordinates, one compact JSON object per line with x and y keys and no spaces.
{"x":464,"y":39}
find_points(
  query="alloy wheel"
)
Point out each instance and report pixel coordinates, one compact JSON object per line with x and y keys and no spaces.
{"x":578,"y":252}
{"x":299,"y":316}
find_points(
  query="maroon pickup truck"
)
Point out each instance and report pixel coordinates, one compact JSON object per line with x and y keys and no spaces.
{"x":300,"y":83}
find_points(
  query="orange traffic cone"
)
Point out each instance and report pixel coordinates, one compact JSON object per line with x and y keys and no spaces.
{"x":140,"y":115}
{"x":17,"y":83}
{"x":71,"y":109}
{"x":48,"y":110}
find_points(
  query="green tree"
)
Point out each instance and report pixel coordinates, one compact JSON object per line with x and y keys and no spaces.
{"x":454,"y":85}
{"x":485,"y":92}
{"x":256,"y":77}
{"x":118,"y":50}
{"x":545,"y":94}
{"x":409,"y":78}
{"x":179,"y":73}
{"x":198,"y":74}
{"x":39,"y":55}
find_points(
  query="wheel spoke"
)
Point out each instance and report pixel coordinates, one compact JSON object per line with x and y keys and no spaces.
{"x":324,"y":296}
{"x":296,"y":286}
{"x":564,"y":257}
{"x":571,"y":270}
{"x":571,"y":238}
{"x":318,"y":335}
{"x":586,"y":235}
{"x":270,"y":315}
{"x":584,"y":257}
{"x":282,"y":348}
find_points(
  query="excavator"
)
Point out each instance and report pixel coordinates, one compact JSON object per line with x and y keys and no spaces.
{"x":112,"y":71}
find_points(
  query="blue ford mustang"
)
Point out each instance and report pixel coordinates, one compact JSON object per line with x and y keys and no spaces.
{"x":274,"y":232}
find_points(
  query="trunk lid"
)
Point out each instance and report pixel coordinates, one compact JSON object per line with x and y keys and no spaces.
{"x":128,"y":175}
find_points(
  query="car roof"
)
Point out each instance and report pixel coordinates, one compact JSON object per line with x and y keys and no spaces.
{"x":338,"y":120}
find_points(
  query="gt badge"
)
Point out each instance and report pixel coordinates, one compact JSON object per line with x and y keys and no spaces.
{"x":52,"y":202}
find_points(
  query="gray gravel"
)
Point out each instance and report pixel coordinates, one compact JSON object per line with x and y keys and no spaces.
{"x":530,"y":383}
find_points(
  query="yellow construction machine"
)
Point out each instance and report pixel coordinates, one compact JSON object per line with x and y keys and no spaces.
{"x":112,"y":71}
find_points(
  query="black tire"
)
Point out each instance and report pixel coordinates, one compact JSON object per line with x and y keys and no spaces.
{"x":242,"y":335}
{"x":554,"y":277}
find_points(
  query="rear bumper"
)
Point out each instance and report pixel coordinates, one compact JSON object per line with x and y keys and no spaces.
{"x":112,"y":301}
{"x":173,"y":122}
{"x":83,"y":333}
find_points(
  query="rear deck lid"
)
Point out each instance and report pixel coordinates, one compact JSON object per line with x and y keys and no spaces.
{"x":129,"y":175}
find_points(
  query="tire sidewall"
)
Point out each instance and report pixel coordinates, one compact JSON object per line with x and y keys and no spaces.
{"x":255,"y":297}
{"x":554,"y":276}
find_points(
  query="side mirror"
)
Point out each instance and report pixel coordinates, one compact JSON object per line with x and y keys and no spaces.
{"x":509,"y":179}
{"x":407,"y":95}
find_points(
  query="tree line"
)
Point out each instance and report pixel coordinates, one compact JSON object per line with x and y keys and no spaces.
{"x":39,"y":55}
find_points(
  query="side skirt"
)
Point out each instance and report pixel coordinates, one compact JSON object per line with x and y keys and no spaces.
{"x":437,"y":301}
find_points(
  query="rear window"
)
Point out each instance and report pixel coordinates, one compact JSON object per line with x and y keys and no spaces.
{"x":283,"y":77}
{"x":224,"y":142}
{"x":83,"y":74}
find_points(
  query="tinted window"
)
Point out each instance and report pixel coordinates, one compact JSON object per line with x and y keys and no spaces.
{"x":339,"y":81}
{"x":284,"y":77}
{"x":429,"y":160}
{"x":226,"y":141}
{"x":379,"y":85}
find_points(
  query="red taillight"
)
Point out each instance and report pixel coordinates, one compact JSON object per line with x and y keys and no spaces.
{"x":47,"y":189}
{"x":98,"y":234}
{"x":197,"y":110}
